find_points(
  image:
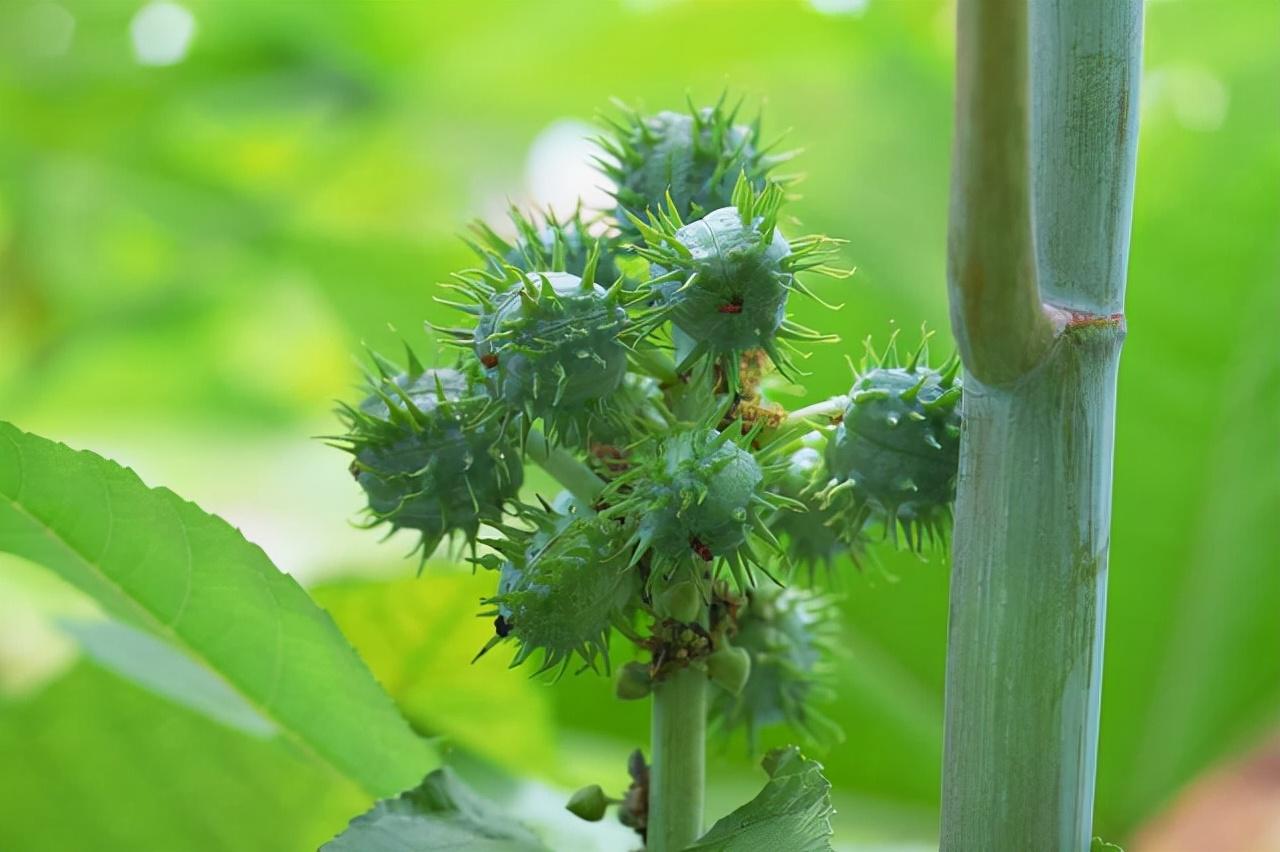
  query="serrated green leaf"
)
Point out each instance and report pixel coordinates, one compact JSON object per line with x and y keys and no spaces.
{"x":160,"y":564}
{"x":94,"y":762}
{"x":792,"y":812}
{"x":158,"y":666}
{"x":440,"y":815}
{"x":418,"y":636}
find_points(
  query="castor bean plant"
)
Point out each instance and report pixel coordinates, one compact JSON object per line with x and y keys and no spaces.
{"x":686,"y":551}
{"x":632,"y":353}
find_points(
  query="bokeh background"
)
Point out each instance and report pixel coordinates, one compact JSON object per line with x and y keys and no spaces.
{"x":206,"y":207}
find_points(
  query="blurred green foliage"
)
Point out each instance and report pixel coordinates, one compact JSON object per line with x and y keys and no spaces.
{"x":189,"y":253}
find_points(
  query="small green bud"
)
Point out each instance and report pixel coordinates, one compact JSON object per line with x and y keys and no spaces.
{"x":682,"y":602}
{"x":589,"y":803}
{"x":730,"y":668}
{"x":633,"y":682}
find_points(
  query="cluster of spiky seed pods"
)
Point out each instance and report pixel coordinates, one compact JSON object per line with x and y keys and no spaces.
{"x":639,"y":341}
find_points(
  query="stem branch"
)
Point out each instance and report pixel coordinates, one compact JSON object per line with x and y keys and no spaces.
{"x":999,"y":325}
{"x":678,"y":773}
{"x":824,"y":410}
{"x":580,"y":480}
{"x":1045,"y":145}
{"x":657,"y":364}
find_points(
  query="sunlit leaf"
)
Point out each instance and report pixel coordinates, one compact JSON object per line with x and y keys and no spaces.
{"x":419,"y":636}
{"x":792,"y":812}
{"x":440,"y":815}
{"x":153,"y":663}
{"x":93,"y":762}
{"x":163,"y":566}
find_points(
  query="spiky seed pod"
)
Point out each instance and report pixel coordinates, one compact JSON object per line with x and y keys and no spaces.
{"x":789,"y":635}
{"x":699,"y":500}
{"x":694,"y":156}
{"x":421,"y":458}
{"x":811,"y":537}
{"x":895,"y":455}
{"x":547,"y":243}
{"x":724,"y":280}
{"x":563,"y":587}
{"x":551,"y":343}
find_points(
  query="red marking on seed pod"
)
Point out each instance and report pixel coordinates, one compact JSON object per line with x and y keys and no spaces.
{"x":701,"y":549}
{"x":489,"y":360}
{"x":733,"y":307}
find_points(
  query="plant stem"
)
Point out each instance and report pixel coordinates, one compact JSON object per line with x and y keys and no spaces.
{"x":1028,"y":600}
{"x":678,"y":727}
{"x":678,"y":772}
{"x":995,"y":303}
{"x":1033,"y":511}
{"x":580,"y":480}
{"x":824,"y":410}
{"x":657,"y":364}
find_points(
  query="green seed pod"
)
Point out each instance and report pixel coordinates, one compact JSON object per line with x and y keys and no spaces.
{"x":810,"y":536}
{"x":729,"y":668}
{"x":693,"y":157}
{"x":697,"y":497}
{"x":681,"y":602}
{"x":553,"y":345}
{"x":562,"y":588}
{"x":421,"y":458}
{"x":551,"y":245}
{"x":589,"y":803}
{"x":633,"y":682}
{"x":724,"y":280}
{"x":789,"y":635}
{"x":895,"y":455}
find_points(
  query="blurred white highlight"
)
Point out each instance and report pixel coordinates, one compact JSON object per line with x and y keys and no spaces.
{"x":48,"y":29}
{"x":1197,"y":99}
{"x":161,"y":33}
{"x":558,"y":171}
{"x":840,"y":7}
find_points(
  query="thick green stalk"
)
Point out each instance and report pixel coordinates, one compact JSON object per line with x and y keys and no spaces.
{"x":1028,"y":599}
{"x":1033,"y":512}
{"x":678,"y":773}
{"x":578,"y":479}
